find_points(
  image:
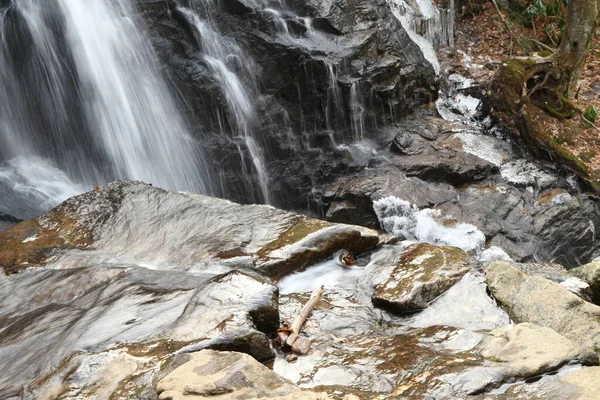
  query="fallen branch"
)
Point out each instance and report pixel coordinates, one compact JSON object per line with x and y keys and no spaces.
{"x":301,"y":318}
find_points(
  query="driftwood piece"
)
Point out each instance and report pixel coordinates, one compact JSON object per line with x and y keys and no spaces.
{"x":301,"y":318}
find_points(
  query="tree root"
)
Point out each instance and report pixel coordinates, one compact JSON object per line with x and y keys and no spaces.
{"x":526,"y":88}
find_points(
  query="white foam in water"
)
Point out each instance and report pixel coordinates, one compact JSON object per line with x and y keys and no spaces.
{"x":405,"y":220}
{"x":328,"y":273}
{"x":494,"y":253}
{"x":32,"y":185}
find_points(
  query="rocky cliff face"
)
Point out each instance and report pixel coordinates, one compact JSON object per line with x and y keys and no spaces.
{"x":333,"y":74}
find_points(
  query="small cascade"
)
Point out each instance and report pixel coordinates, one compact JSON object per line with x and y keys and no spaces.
{"x":358,"y":112}
{"x":80,"y":85}
{"x":334,"y":108}
{"x":219,"y":54}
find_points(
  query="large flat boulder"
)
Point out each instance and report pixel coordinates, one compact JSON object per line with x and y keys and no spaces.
{"x":229,"y":375}
{"x":577,"y":384}
{"x":528,"y":350}
{"x":545,"y":303}
{"x":139,"y":221}
{"x":423,"y":273}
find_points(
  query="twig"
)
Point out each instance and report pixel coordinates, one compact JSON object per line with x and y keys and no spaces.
{"x":507,"y":25}
{"x":301,"y":318}
{"x":544,"y":46}
{"x":590,"y":123}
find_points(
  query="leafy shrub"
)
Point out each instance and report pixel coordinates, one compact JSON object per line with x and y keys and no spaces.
{"x":591,"y":114}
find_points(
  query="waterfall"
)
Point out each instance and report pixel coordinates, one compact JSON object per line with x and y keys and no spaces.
{"x":80,"y":88}
{"x":358,"y":111}
{"x":219,"y":54}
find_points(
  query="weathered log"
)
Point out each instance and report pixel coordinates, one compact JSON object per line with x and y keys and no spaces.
{"x":301,"y":318}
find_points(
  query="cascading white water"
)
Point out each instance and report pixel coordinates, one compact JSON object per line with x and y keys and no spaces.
{"x":334,"y":106}
{"x":218,"y":53}
{"x":80,"y":86}
{"x":358,"y":112}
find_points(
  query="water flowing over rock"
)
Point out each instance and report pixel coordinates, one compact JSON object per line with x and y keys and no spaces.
{"x":88,"y":95}
{"x":122,"y":277}
{"x":304,"y":80}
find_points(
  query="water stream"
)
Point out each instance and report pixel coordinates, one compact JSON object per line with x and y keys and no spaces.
{"x":87,"y":96}
{"x":222,"y":56}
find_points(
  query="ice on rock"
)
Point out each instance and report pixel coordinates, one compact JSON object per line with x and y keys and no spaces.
{"x":494,"y":253}
{"x":405,"y":220}
{"x":408,"y":19}
{"x":523,"y":172}
{"x":487,"y":148}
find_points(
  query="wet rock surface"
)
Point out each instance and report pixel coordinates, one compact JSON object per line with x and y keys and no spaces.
{"x":308,"y":82}
{"x":98,"y":309}
{"x":461,"y":345}
{"x":529,"y":210}
{"x":145,"y":327}
{"x":423,"y":273}
{"x":135,"y":220}
{"x":123,"y":277}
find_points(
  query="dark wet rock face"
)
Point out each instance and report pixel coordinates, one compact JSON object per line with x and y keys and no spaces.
{"x":6,"y":221}
{"x":303,"y":83}
{"x":531,"y":212}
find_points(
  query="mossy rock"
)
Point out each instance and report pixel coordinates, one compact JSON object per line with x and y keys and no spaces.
{"x":423,"y":273}
{"x":310,"y":240}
